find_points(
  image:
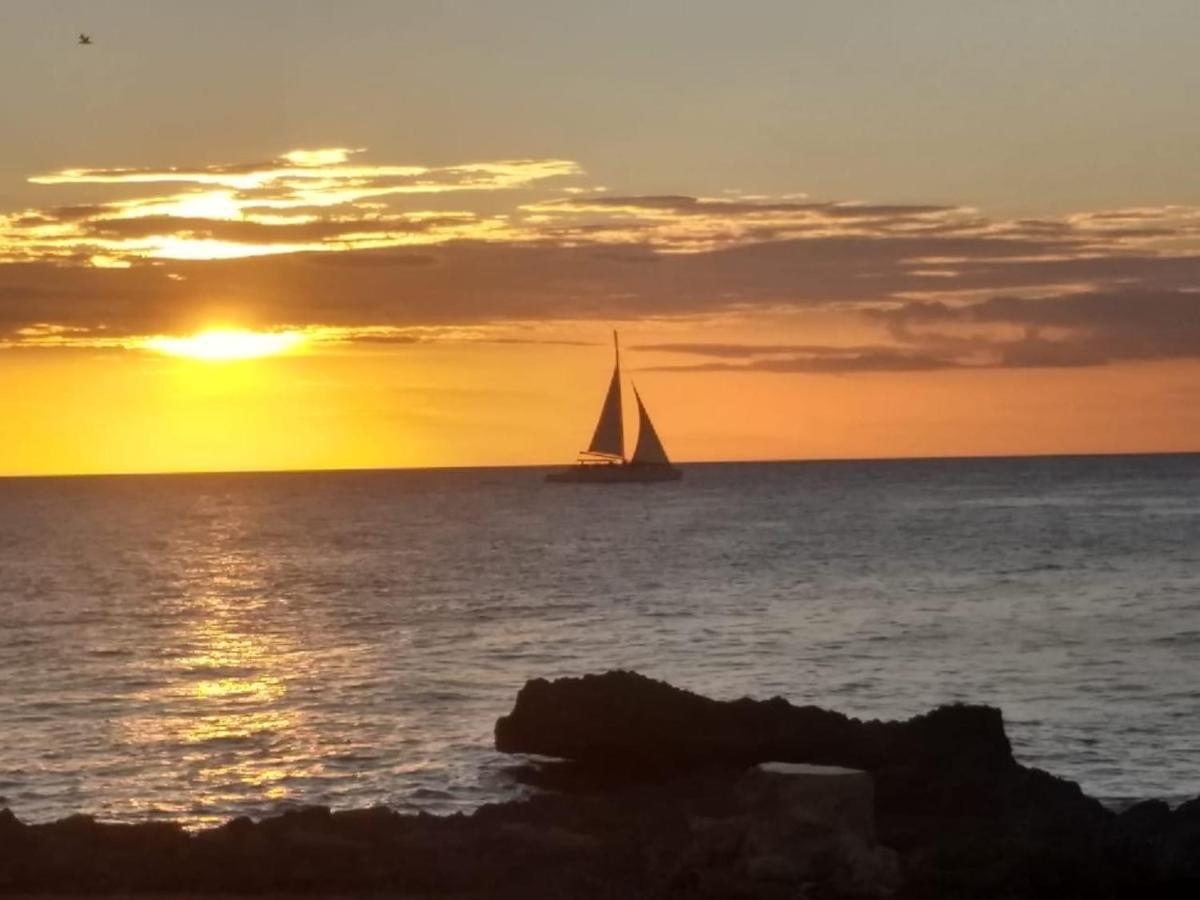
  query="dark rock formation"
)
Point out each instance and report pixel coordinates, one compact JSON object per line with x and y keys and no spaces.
{"x":623,"y":726}
{"x":622,"y":720}
{"x":659,"y":804}
{"x":967,"y":819}
{"x":517,"y":851}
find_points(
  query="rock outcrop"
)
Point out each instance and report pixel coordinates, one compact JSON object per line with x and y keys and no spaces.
{"x":622,"y":726}
{"x":808,"y":824}
{"x":966,"y":819}
{"x":666,"y":795}
{"x":623,"y":720}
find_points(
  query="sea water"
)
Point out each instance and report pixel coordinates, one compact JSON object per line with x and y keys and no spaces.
{"x":203,"y":646}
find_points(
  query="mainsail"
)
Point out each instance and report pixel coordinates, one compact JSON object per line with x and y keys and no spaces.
{"x":649,"y":450}
{"x":609,"y":439}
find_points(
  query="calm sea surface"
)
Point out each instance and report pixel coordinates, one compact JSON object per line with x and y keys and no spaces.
{"x":204,"y":646}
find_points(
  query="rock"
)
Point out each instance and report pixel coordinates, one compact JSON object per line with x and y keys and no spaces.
{"x":789,"y":830}
{"x":830,"y":798}
{"x":1155,"y":845}
{"x":815,"y":824}
{"x":716,"y":841}
{"x":964,"y":819}
{"x":620,"y":727}
{"x":9,"y":823}
{"x":1146,"y":817}
{"x":1189,"y":811}
{"x":866,"y":870}
{"x":628,"y":722}
{"x":549,"y":838}
{"x":1182,"y":845}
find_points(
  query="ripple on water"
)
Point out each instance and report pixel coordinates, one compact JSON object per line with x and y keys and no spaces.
{"x":203,"y":647}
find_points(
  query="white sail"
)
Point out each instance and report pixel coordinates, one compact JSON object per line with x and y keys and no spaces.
{"x":649,"y":450}
{"x":609,"y":438}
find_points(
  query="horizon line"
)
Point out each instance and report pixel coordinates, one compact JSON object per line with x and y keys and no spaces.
{"x":694,"y":462}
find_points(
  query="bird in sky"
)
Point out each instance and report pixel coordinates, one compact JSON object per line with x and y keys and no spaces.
{"x":85,"y":38}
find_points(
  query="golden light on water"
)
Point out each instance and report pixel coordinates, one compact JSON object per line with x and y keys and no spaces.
{"x":221,"y":697}
{"x":223,"y":345}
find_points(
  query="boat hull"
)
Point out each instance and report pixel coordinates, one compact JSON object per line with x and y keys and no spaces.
{"x":616,"y":473}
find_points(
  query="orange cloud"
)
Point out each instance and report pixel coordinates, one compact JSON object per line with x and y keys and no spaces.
{"x":322,"y":242}
{"x":303,"y":201}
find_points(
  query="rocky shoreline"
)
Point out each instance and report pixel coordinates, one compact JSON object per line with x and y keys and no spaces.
{"x":653,"y":791}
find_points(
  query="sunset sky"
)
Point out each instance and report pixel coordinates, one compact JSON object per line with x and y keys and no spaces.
{"x":823,"y":229}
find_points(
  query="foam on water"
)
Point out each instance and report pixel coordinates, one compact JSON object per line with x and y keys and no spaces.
{"x":204,"y":646}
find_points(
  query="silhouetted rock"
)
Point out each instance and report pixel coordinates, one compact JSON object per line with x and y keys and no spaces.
{"x":623,"y":720}
{"x":664,"y":799}
{"x":622,"y":726}
{"x":814,"y":824}
{"x":966,"y":818}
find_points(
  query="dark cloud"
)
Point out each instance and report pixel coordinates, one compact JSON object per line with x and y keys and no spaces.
{"x":628,"y":255}
{"x":477,"y":282}
{"x":941,"y":286}
{"x":371,"y":259}
{"x":1085,"y":329}
{"x":695,"y":206}
{"x":389,"y":339}
{"x":831,"y":361}
{"x":1090,"y":328}
{"x":747,"y":351}
{"x":542,"y":341}
{"x":255,"y":233}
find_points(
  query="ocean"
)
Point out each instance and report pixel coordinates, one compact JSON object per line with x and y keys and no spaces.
{"x":197,"y":647}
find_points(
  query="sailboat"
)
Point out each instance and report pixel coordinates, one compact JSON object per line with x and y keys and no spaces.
{"x":604,"y":462}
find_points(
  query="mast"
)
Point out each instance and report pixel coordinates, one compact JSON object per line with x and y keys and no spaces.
{"x":609,"y":436}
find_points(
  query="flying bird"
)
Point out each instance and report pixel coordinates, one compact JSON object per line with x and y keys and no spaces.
{"x":85,"y":38}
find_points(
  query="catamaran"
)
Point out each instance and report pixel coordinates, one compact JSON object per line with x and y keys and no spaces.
{"x":604,"y":462}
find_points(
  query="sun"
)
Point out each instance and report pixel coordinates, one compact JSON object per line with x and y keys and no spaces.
{"x":223,"y":344}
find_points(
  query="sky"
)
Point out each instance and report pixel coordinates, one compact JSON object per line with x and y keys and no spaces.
{"x":405,"y":230}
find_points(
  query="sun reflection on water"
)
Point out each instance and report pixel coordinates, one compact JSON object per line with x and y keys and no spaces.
{"x":234,"y":670}
{"x":221,"y":702}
